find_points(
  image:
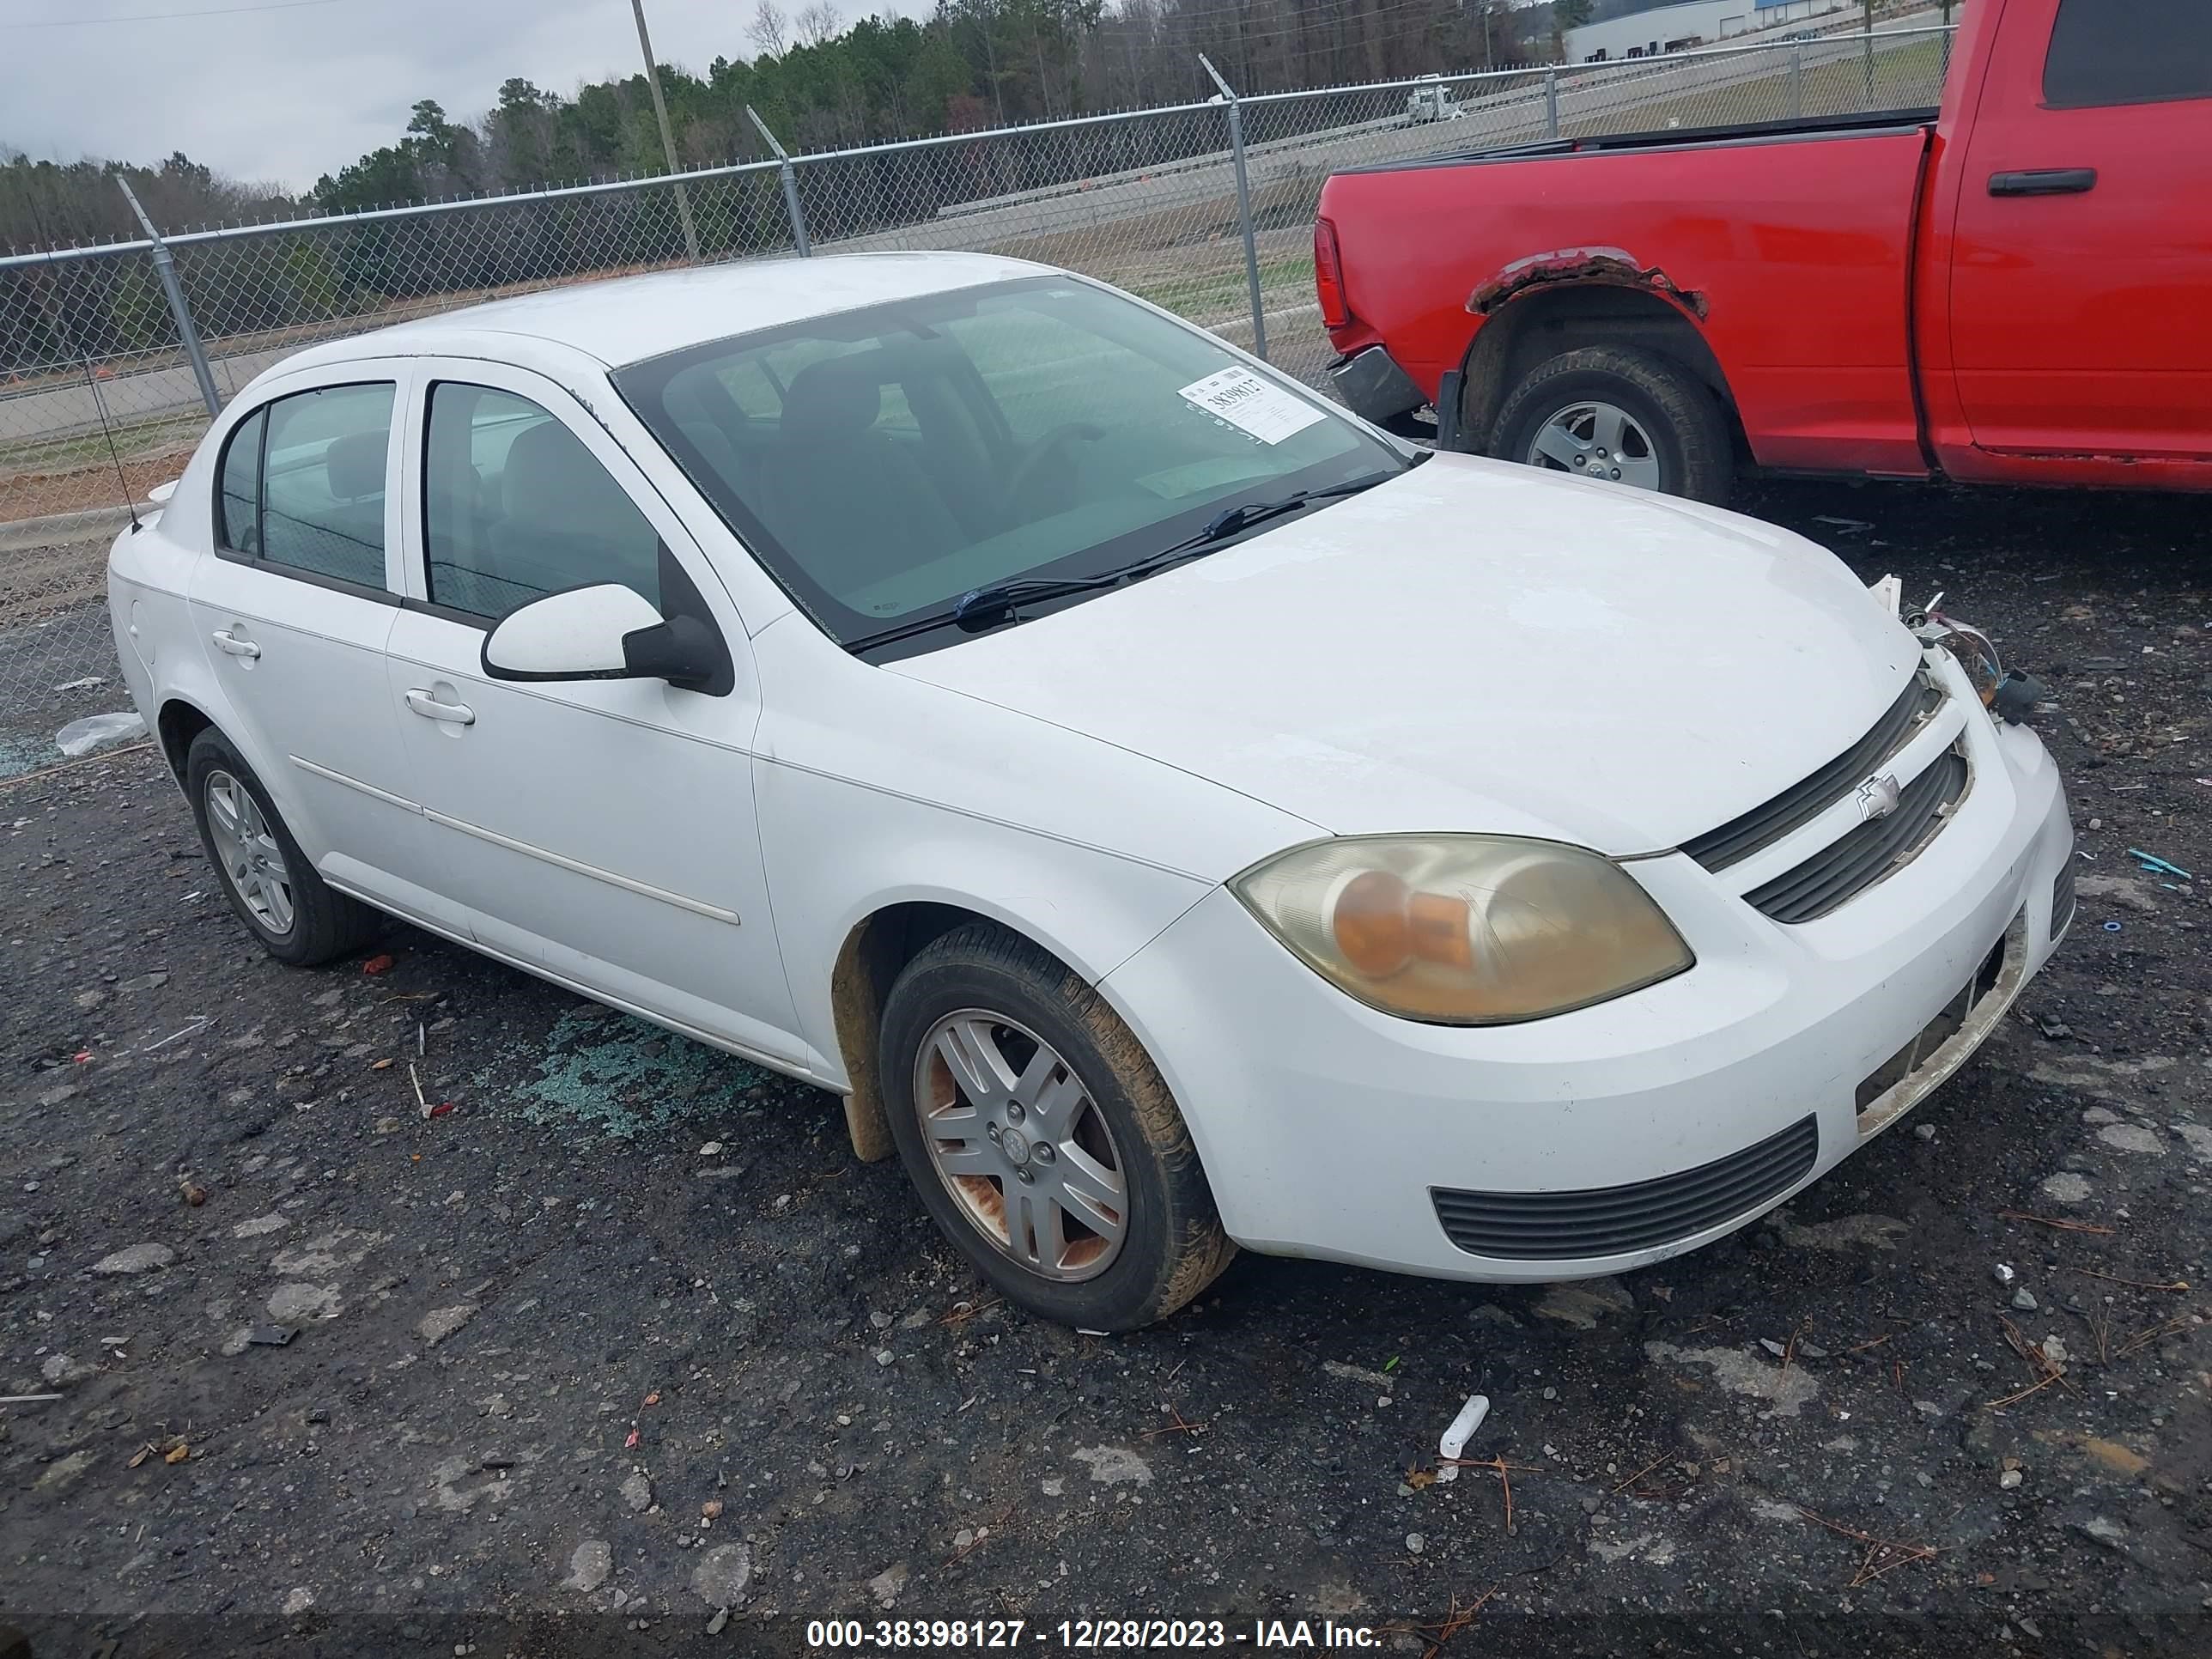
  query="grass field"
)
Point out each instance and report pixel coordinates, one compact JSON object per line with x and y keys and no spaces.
{"x":1901,"y":77}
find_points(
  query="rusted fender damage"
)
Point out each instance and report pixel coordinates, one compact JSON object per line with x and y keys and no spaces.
{"x":1580,"y":265}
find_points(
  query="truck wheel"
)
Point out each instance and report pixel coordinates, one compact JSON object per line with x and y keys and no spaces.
{"x":1625,"y":415}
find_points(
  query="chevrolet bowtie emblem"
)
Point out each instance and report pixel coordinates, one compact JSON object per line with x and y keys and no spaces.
{"x":1878,"y":798}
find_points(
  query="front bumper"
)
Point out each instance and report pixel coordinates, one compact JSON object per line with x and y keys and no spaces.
{"x":1685,"y":1110}
{"x":1374,"y":387}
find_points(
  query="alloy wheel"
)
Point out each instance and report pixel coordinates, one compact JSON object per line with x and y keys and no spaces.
{"x":252,"y":862}
{"x":1021,"y":1145}
{"x":1596,"y":440}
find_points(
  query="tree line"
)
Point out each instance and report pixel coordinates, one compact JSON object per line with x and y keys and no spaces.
{"x":972,"y":65}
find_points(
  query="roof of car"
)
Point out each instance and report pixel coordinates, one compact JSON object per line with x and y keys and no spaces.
{"x":627,"y":319}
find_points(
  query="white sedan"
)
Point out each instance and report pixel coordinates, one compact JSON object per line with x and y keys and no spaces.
{"x":1174,"y":814}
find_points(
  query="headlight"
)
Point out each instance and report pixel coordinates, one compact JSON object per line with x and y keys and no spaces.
{"x":1464,"y":930}
{"x":1976,"y":654}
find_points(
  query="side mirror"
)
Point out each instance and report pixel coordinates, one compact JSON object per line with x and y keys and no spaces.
{"x":606,"y":632}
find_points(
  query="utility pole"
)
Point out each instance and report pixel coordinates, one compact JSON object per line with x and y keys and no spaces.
{"x":165,"y":268}
{"x":991,"y":64}
{"x":667,"y":137}
{"x":1866,"y":57}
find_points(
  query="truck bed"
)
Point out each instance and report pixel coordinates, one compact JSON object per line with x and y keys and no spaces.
{"x":1670,"y":138}
{"x":1787,"y":242}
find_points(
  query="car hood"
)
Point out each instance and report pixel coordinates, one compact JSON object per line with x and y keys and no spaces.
{"x":1474,"y":646}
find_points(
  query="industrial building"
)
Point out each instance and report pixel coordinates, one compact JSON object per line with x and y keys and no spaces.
{"x":1690,"y":24}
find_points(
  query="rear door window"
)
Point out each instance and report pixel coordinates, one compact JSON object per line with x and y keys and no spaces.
{"x":303,"y":483}
{"x":2128,"y":51}
{"x":238,"y":506}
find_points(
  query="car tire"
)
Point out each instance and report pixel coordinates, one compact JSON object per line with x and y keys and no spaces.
{"x":1099,"y":1125}
{"x":272,"y":885}
{"x":1675,"y":430}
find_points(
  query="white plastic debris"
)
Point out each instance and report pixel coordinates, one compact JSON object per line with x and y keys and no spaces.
{"x":97,"y":731}
{"x":89,"y":683}
{"x":2002,"y":1272}
{"x":1455,"y":1438}
{"x":200,"y":1022}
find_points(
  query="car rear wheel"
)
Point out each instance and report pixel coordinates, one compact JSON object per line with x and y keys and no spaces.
{"x":1041,"y":1138}
{"x":1620,"y":415}
{"x":269,"y":882}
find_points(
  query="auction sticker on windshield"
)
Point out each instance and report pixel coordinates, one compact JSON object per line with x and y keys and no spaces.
{"x":1252,"y":404}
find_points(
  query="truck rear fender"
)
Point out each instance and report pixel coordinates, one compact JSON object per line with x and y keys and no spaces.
{"x":1536,"y":308}
{"x":1578,"y":265}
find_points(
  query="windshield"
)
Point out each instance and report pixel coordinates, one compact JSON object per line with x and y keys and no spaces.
{"x":883,"y":462}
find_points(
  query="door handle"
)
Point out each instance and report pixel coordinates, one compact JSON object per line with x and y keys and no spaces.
{"x":453,"y":713}
{"x":230,"y":645}
{"x":2044,"y":181}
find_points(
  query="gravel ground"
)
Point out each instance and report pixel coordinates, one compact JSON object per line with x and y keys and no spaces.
{"x":627,"y":1344}
{"x":57,"y":652}
{"x":38,"y":584}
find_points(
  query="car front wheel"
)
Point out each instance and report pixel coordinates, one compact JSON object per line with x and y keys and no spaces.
{"x":1041,"y":1138}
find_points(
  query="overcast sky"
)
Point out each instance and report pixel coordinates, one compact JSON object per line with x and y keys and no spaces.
{"x":289,"y":92}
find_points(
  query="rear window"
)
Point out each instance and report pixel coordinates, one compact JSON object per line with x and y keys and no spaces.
{"x":2128,"y":51}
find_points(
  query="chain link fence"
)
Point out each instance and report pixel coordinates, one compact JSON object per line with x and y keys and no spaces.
{"x":1205,"y":209}
{"x":1295,"y":140}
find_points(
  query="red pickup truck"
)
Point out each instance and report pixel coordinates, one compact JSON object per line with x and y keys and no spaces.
{"x":2014,"y":289}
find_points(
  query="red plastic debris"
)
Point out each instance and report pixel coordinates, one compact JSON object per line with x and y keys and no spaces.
{"x":441,"y":1109}
{"x":83,"y":1056}
{"x":631,"y":1444}
{"x":381,"y":964}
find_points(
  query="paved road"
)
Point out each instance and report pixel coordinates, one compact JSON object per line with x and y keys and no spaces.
{"x":70,"y":408}
{"x":1516,"y":117}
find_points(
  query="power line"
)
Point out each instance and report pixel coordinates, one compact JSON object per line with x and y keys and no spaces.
{"x":163,"y":17}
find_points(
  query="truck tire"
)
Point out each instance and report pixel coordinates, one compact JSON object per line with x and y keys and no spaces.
{"x":1622,"y":415}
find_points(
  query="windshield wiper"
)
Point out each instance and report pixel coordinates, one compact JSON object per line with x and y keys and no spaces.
{"x":979,"y":607}
{"x":982,"y":602}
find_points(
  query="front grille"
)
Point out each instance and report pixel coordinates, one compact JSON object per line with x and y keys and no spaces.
{"x":2061,"y":898}
{"x":1609,"y":1220}
{"x":1854,"y":861}
{"x":1799,"y":805}
{"x":1935,"y":1033}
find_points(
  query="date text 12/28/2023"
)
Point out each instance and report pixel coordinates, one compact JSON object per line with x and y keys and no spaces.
{"x":1081,"y":1635}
